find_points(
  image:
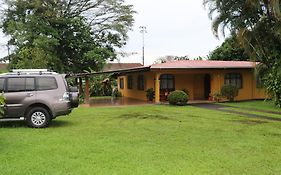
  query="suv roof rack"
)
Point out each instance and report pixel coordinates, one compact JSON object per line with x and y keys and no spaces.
{"x":31,"y":71}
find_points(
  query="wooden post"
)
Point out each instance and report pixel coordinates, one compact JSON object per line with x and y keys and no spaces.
{"x":87,"y":90}
{"x":157,"y":88}
{"x":80,"y":86}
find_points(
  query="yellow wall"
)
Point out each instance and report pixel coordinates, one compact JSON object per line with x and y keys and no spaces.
{"x":193,"y":81}
{"x":249,"y":89}
{"x":134,"y":92}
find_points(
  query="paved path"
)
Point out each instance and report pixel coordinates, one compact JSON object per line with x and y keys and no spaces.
{"x":218,"y":107}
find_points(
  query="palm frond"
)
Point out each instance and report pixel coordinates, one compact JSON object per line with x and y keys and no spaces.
{"x":219,"y":21}
{"x":275,"y":6}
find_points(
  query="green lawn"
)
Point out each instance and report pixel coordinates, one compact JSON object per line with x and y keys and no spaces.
{"x":145,"y":140}
{"x":258,"y":104}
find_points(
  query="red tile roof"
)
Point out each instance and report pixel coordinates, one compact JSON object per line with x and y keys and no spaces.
{"x":204,"y":64}
{"x":120,"y":66}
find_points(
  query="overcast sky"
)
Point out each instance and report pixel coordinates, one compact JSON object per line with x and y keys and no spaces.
{"x":178,"y":27}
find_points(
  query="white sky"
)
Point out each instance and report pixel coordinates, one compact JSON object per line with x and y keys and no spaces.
{"x":178,"y":27}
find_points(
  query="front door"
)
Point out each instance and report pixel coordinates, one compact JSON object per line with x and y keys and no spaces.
{"x":207,"y":86}
{"x":167,"y":85}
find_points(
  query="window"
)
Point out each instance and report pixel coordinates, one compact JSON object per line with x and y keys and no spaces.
{"x":141,"y":82}
{"x":259,"y":83}
{"x":20,"y":84}
{"x":233,"y":79}
{"x":29,"y":84}
{"x":167,"y":81}
{"x":121,"y":83}
{"x":130,"y":82}
{"x":2,"y":83}
{"x":46,"y":83}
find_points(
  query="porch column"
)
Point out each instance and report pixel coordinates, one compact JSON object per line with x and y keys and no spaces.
{"x":87,"y":90}
{"x":157,"y":88}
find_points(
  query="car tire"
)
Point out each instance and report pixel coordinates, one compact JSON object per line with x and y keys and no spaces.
{"x":38,"y":117}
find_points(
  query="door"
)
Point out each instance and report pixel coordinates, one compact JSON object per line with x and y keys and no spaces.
{"x":19,"y":94}
{"x":167,"y":85}
{"x":198,"y":87}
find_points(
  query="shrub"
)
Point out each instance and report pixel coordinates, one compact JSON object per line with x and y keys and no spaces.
{"x":178,"y":97}
{"x":229,"y":91}
{"x":2,"y":103}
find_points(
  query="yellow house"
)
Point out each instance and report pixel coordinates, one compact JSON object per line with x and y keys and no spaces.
{"x":201,"y":78}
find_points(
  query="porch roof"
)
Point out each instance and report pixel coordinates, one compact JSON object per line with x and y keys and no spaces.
{"x":204,"y":64}
{"x":116,"y":72}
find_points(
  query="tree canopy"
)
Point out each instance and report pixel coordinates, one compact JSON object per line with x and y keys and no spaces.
{"x":257,"y":25}
{"x":230,"y":50}
{"x":66,"y":35}
{"x":168,"y":58}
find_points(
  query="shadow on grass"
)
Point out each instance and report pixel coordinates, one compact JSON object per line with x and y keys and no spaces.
{"x":59,"y":123}
{"x":274,"y":134}
{"x":250,"y":122}
{"x":22,"y":124}
{"x":13,"y":124}
{"x":143,"y":116}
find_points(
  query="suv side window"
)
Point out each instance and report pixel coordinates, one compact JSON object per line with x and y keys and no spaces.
{"x":20,"y":84}
{"x":2,"y":83}
{"x":46,"y":83}
{"x":29,"y":84}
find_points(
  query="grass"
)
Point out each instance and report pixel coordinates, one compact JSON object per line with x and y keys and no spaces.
{"x":260,"y":113}
{"x":143,"y":140}
{"x":258,"y":104}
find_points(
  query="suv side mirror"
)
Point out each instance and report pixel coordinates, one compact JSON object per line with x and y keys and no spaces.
{"x":73,"y":89}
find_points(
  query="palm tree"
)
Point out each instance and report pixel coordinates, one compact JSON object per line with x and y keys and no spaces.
{"x":257,"y":25}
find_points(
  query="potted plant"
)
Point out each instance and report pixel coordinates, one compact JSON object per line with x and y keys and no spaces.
{"x":150,"y":94}
{"x":217,"y":96}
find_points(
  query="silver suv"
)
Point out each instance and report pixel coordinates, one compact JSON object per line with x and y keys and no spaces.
{"x":36,"y":96}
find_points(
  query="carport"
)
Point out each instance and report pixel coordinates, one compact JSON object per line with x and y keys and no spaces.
{"x":80,"y":77}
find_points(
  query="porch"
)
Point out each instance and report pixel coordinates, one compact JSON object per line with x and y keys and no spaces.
{"x":197,"y":85}
{"x":125,"y":101}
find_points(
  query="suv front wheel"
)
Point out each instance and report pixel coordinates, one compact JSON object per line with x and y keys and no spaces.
{"x":38,"y":117}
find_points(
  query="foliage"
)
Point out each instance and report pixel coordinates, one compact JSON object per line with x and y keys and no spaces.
{"x":272,"y":83}
{"x":101,"y":85}
{"x":229,"y":91}
{"x":167,"y":58}
{"x":257,"y":25}
{"x":186,"y":91}
{"x":150,"y":94}
{"x":2,"y":103}
{"x":230,"y":50}
{"x":217,"y":96}
{"x":65,"y":36}
{"x":178,"y":97}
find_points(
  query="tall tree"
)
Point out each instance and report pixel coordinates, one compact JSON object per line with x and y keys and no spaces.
{"x":257,"y":24}
{"x":66,"y":35}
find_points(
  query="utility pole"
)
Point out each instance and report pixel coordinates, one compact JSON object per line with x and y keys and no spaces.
{"x":143,"y":31}
{"x":8,"y":47}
